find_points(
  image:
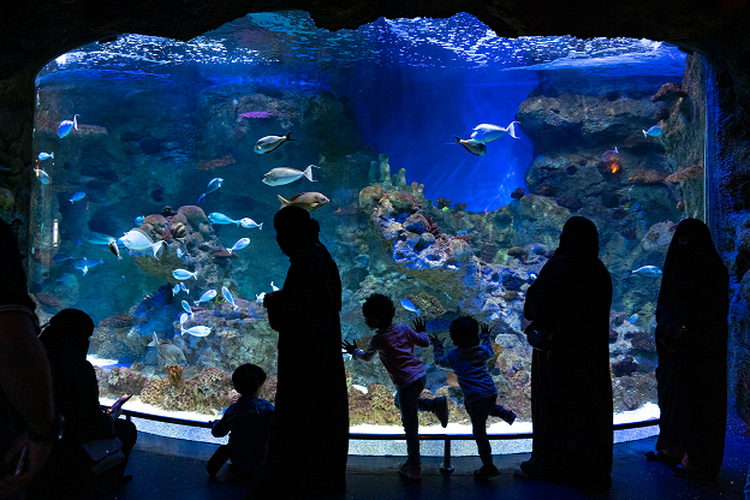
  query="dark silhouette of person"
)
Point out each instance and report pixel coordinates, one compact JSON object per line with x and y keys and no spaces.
{"x":691,"y":341}
{"x":68,"y":474}
{"x":308,"y":448}
{"x":571,"y":388}
{"x":28,"y":425}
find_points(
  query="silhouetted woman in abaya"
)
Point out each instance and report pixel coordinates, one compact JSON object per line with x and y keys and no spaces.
{"x":309,"y":444}
{"x":571,"y":389}
{"x":691,"y":340}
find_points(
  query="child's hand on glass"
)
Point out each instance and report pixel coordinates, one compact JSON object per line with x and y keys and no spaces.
{"x":419,"y":325}
{"x":486,"y":329}
{"x":349,"y":347}
{"x":434,"y":339}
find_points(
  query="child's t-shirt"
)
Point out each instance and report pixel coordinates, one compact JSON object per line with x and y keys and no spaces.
{"x":248,"y":423}
{"x":470,"y":367}
{"x":395,"y":345}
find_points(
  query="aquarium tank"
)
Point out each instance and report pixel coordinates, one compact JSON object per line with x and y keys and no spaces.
{"x":440,"y":160}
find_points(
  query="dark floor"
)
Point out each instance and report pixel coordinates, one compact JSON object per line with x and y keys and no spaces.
{"x":171,"y":469}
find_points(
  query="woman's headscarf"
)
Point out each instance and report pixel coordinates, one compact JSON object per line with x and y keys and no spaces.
{"x":579,"y":238}
{"x":295,"y":228}
{"x":70,"y":329}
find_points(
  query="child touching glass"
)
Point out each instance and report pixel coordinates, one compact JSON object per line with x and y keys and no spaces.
{"x":395,"y":343}
{"x":468,"y":360}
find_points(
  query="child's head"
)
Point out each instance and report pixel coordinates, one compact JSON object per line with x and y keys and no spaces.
{"x":247,"y":379}
{"x":378,"y":311}
{"x":464,"y":332}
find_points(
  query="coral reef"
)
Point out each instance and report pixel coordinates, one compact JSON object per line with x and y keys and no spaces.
{"x":119,"y":380}
{"x":174,"y":372}
{"x":207,"y":392}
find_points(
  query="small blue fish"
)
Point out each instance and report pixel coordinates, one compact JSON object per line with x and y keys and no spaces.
{"x":184,"y":288}
{"x":77,"y":197}
{"x":84,"y":265}
{"x":449,"y":297}
{"x":228,"y":297}
{"x":634,"y":318}
{"x":609,"y":155}
{"x":462,"y":232}
{"x":533,"y":276}
{"x":123,"y":277}
{"x":406,"y":303}
{"x":66,"y":126}
{"x":184,"y":274}
{"x":43,"y":176}
{"x":239,"y":244}
{"x":61,"y":258}
{"x":46,"y":156}
{"x":179,"y":253}
{"x":175,"y":289}
{"x":218,"y":218}
{"x":186,"y":307}
{"x":654,"y":131}
{"x":649,"y":271}
{"x":212,"y":186}
{"x":209,"y":295}
{"x":139,"y":220}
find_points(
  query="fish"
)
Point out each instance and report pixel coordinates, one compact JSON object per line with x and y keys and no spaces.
{"x":178,"y":252}
{"x":186,"y":307}
{"x":43,"y":176}
{"x":270,"y":142}
{"x":610,"y":155}
{"x":649,"y":271}
{"x":112,"y":245}
{"x":84,"y":265}
{"x":175,"y":289}
{"x":259,"y":297}
{"x":170,"y":352}
{"x":61,"y":258}
{"x":228,"y":297}
{"x":360,"y":388}
{"x":184,"y":274}
{"x":532,"y":276}
{"x":274,"y":287}
{"x":212,"y":186}
{"x":654,"y":131}
{"x":634,"y":318}
{"x":406,"y":303}
{"x":309,"y":201}
{"x":219,"y":218}
{"x":284,"y":175}
{"x":239,"y":245}
{"x":99,"y":238}
{"x":472,"y":146}
{"x":77,"y":197}
{"x":487,"y":132}
{"x":196,"y":331}
{"x":209,"y":295}
{"x":249,"y":223}
{"x":66,"y":126}
{"x":46,"y":156}
{"x":138,"y":241}
{"x":139,"y":220}
{"x":183,"y":320}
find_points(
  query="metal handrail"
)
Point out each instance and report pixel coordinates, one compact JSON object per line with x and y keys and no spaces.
{"x":447,"y":438}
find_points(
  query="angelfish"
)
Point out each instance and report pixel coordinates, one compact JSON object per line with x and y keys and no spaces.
{"x":270,"y":142}
{"x":487,"y":132}
{"x":472,"y":146}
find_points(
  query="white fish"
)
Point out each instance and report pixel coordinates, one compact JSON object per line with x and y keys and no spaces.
{"x":179,"y":253}
{"x":43,"y":176}
{"x":249,"y":223}
{"x":218,"y":218}
{"x":284,"y":175}
{"x":184,"y":288}
{"x":270,"y":142}
{"x":46,"y":156}
{"x":184,"y":274}
{"x":209,"y":295}
{"x":239,"y":245}
{"x":186,"y":307}
{"x":259,"y":297}
{"x":183,"y":319}
{"x":66,"y":126}
{"x":650,"y":271}
{"x":487,"y":132}
{"x":472,"y":146}
{"x":228,"y":296}
{"x":360,"y":388}
{"x":309,"y":201}
{"x":138,"y":241}
{"x":274,"y":287}
{"x":196,"y":331}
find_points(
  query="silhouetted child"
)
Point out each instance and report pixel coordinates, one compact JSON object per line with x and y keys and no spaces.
{"x":395,"y":343}
{"x":248,"y":423}
{"x":468,"y":360}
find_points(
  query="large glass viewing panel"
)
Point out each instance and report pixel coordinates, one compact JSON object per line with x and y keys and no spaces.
{"x":442,"y":160}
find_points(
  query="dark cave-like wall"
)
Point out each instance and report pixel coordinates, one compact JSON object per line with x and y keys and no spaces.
{"x":36,"y":31}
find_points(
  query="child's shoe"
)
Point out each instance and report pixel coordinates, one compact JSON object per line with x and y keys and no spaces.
{"x":413,"y":472}
{"x":506,"y":415}
{"x":441,"y":410}
{"x":486,"y":472}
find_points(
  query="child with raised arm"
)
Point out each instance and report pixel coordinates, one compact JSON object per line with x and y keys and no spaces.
{"x":395,"y":343}
{"x":248,"y":423}
{"x":469,"y":362}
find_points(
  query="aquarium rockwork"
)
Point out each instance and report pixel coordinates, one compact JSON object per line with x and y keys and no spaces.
{"x":440,"y":160}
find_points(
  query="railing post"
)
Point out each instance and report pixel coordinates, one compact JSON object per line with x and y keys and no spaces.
{"x":447,"y":468}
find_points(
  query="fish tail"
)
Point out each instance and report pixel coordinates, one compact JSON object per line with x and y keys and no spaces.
{"x":75,"y":120}
{"x":157,"y":247}
{"x":308,"y":173}
{"x":229,"y":250}
{"x":260,"y":226}
{"x":645,"y":134}
{"x":286,"y":137}
{"x":202,"y":198}
{"x":284,"y":202}
{"x":52,"y":155}
{"x":458,"y":139}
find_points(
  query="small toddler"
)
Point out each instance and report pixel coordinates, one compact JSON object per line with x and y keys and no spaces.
{"x":248,"y":423}
{"x":395,"y":343}
{"x":469,"y":362}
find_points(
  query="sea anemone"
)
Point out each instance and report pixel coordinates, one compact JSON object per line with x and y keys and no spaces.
{"x":175,"y":373}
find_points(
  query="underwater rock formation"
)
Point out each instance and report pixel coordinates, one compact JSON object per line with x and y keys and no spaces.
{"x":208,"y":391}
